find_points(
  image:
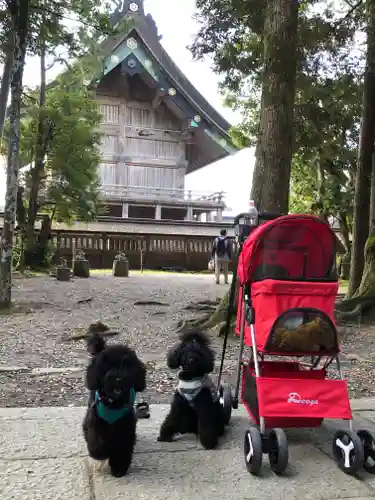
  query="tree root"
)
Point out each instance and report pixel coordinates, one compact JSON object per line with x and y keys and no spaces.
{"x":85,"y":300}
{"x":354,"y":307}
{"x":219,"y":329}
{"x":216,"y":320}
{"x":199,"y":307}
{"x":150,"y":303}
{"x":204,"y":305}
{"x":189,"y":324}
{"x":86,"y":334}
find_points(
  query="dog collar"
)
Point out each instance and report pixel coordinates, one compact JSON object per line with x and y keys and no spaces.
{"x":111,"y":415}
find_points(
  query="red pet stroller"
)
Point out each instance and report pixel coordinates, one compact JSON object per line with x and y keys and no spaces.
{"x":287,"y":272}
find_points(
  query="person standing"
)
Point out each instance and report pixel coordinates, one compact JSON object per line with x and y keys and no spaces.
{"x":222,"y":255}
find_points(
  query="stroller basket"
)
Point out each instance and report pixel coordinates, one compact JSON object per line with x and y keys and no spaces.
{"x":288,"y":395}
{"x":303,"y":398}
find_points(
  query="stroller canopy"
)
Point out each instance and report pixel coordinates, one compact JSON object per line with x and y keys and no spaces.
{"x":292,"y":247}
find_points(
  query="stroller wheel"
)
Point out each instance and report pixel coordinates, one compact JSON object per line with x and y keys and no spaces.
{"x":253,"y":450}
{"x":225,"y":395}
{"x":348,"y":451}
{"x":278,"y":451}
{"x":368,"y":442}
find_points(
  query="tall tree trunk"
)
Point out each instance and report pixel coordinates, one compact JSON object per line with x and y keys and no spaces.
{"x":5,"y":84}
{"x":345,"y":234}
{"x":40,"y":152}
{"x":19,"y":10}
{"x":365,"y":153}
{"x":271,"y":178}
{"x":321,"y":174}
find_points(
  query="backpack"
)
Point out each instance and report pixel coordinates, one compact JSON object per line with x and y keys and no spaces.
{"x":221,"y":247}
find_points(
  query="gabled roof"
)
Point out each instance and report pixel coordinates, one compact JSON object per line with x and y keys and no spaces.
{"x":138,"y":48}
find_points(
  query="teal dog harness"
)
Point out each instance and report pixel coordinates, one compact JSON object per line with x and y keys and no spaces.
{"x":111,"y":415}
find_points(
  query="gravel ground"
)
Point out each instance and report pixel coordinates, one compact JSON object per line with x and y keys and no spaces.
{"x":47,"y":311}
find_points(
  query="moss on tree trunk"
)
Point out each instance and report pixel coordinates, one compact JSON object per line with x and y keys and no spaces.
{"x":364,"y":298}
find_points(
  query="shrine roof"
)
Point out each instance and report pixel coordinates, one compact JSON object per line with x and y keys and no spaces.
{"x":138,"y":48}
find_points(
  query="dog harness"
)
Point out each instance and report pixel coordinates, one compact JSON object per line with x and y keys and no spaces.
{"x":189,"y":389}
{"x":111,"y":415}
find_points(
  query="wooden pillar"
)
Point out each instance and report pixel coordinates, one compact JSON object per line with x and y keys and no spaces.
{"x":189,"y":213}
{"x":125,"y":210}
{"x":158,"y":212}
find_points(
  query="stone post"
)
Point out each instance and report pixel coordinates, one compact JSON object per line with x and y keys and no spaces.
{"x":81,"y":267}
{"x":120,"y":265}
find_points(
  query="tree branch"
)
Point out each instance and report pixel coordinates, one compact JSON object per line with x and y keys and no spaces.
{"x":349,"y":13}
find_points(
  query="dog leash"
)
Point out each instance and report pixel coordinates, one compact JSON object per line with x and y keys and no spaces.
{"x":232,"y":293}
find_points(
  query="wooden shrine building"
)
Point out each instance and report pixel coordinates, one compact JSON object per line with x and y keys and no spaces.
{"x":156,"y":128}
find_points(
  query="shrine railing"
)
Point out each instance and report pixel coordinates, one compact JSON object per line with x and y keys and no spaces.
{"x":128,"y":193}
{"x":148,"y":251}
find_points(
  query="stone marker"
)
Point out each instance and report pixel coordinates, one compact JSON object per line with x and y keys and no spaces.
{"x":63,"y":271}
{"x":120,"y":266}
{"x":81,"y":266}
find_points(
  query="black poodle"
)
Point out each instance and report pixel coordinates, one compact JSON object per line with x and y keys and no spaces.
{"x":114,"y":376}
{"x":195,"y":407}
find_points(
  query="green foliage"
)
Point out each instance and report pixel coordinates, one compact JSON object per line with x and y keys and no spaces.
{"x":70,"y":178}
{"x":328,"y":91}
{"x":16,"y":257}
{"x":59,"y":124}
{"x":327,"y":128}
{"x":51,"y":21}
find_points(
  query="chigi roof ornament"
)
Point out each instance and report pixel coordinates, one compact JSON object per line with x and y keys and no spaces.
{"x":131,"y":7}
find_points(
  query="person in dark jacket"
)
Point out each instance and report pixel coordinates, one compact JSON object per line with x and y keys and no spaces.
{"x":222,"y":255}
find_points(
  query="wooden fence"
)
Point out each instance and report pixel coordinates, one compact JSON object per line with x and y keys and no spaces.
{"x":151,"y":251}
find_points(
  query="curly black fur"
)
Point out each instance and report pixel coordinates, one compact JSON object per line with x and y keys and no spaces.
{"x":203,"y":415}
{"x":112,"y":372}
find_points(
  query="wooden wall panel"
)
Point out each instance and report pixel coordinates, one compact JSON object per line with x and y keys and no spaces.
{"x":110,"y":113}
{"x":133,"y":132}
{"x":148,"y":148}
{"x":109,"y":146}
{"x":112,"y":174}
{"x":165,"y":120}
{"x":159,"y":177}
{"x":107,"y":174}
{"x":138,"y":116}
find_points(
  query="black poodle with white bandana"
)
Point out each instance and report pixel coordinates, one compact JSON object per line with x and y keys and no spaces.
{"x":195,"y":406}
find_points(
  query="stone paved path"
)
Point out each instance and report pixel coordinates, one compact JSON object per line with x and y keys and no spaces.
{"x":42,"y":456}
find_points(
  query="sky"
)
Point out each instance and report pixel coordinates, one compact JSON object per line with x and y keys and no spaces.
{"x":233,"y":174}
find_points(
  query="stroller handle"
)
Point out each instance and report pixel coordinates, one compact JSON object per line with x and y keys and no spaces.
{"x":261,"y":215}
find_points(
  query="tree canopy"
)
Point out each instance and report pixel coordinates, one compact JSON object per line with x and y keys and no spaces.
{"x":328,"y":90}
{"x":70,"y":183}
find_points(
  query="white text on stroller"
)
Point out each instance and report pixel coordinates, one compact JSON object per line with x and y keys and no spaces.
{"x":295,"y":398}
